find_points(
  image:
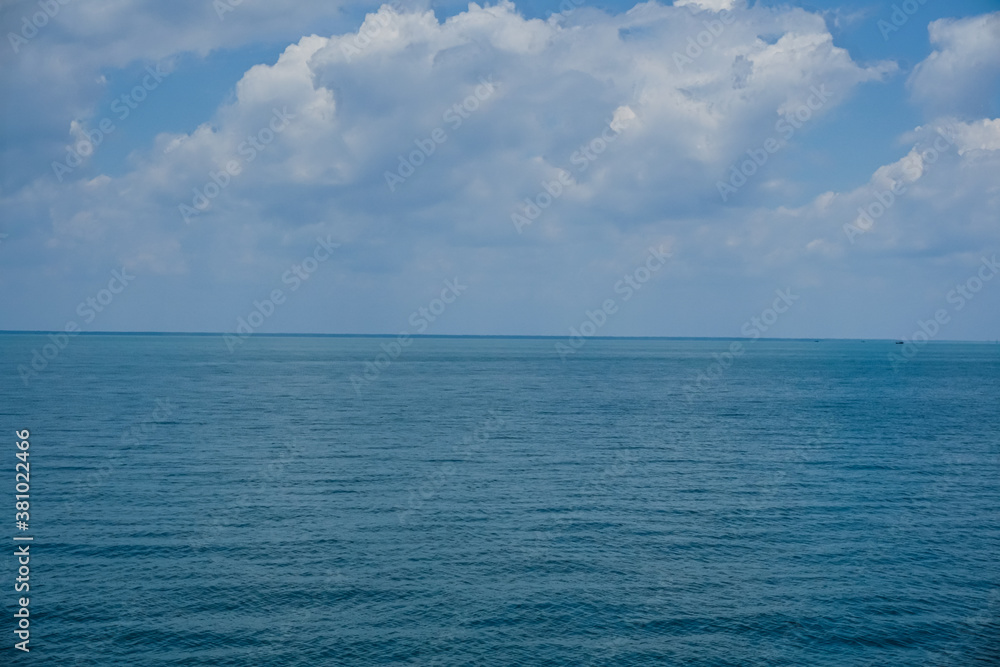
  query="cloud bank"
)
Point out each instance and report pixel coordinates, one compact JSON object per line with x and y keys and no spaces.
{"x":419,"y":143}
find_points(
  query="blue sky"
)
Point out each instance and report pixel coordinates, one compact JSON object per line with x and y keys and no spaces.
{"x":362,"y":86}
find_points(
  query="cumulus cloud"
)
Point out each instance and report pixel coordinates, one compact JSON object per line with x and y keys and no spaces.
{"x":938,"y":201}
{"x":58,"y":69}
{"x":363,"y":100}
{"x":418,"y":142}
{"x":962,"y":76}
{"x":558,"y":82}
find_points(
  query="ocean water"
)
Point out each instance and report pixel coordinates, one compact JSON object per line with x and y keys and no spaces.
{"x":483,"y":502}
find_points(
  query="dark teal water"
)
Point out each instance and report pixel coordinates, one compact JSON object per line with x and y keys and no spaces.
{"x":483,"y":503}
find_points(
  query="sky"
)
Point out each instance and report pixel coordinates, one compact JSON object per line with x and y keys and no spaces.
{"x":826,"y":169}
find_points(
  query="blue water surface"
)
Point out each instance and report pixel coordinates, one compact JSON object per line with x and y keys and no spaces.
{"x":487,"y":502}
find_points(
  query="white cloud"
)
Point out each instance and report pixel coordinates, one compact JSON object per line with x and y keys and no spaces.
{"x":58,"y":74}
{"x":559,"y":83}
{"x":962,"y":75}
{"x":712,"y":5}
{"x":983,"y":135}
{"x":361,"y":100}
{"x":939,"y":200}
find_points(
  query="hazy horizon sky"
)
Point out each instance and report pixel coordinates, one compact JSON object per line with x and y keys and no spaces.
{"x":711,"y":168}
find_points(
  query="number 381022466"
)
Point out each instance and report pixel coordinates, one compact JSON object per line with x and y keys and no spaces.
{"x":22,"y":479}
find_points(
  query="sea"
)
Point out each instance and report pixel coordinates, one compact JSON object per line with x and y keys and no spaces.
{"x":296,"y":500}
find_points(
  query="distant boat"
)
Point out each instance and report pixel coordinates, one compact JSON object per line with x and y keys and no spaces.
{"x":899,"y":342}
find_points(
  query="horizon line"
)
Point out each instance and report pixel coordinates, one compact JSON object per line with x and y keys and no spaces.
{"x":498,"y":336}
